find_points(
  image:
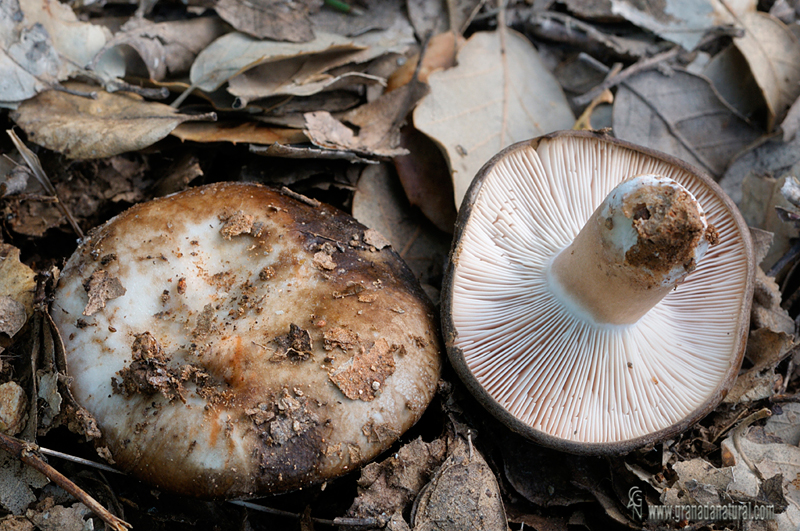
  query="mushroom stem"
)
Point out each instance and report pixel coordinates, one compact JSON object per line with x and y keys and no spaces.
{"x":640,"y":243}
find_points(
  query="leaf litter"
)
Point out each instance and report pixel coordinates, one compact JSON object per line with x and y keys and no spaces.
{"x":387,"y":111}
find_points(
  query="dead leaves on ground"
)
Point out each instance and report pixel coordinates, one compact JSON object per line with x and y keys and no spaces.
{"x":390,"y":113}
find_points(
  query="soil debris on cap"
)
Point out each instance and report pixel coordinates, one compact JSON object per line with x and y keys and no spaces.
{"x":375,"y":239}
{"x":235,"y":224}
{"x":149,"y":373}
{"x":295,"y":345}
{"x":340,"y":337}
{"x":324,"y":261}
{"x":101,"y":288}
{"x":361,"y":377}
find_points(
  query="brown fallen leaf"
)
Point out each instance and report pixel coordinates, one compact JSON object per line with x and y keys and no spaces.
{"x":440,"y":54}
{"x":426,"y":178}
{"x":379,"y":124}
{"x":499,"y":93}
{"x":238,"y":132}
{"x":13,"y":408}
{"x":681,"y":114}
{"x":270,"y":19}
{"x":379,"y":202}
{"x":773,"y":53}
{"x":17,"y":281}
{"x":85,"y":128}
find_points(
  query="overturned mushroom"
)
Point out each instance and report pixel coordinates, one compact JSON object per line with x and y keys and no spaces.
{"x":567,"y":308}
{"x":232,"y":341}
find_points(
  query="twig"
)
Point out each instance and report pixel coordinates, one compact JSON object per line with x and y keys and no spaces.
{"x":339,"y":520}
{"x":79,"y":460}
{"x":738,"y":433}
{"x":635,"y":68}
{"x":33,"y":163}
{"x":25,"y":452}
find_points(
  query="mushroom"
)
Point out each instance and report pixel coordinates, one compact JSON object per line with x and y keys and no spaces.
{"x":232,"y":341}
{"x":567,"y":309}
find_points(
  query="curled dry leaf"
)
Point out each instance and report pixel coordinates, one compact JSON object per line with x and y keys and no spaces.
{"x":682,"y":22}
{"x":426,"y":178}
{"x":85,"y":128}
{"x":166,"y":47}
{"x":731,"y":76}
{"x":270,"y":19}
{"x":43,"y":42}
{"x":499,"y":93}
{"x":681,"y":115}
{"x":440,"y":53}
{"x":785,"y":424}
{"x":379,"y":124}
{"x":235,"y":53}
{"x":773,"y":53}
{"x":238,"y":132}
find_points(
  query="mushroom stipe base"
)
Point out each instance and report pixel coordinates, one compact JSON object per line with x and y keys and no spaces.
{"x":559,"y":376}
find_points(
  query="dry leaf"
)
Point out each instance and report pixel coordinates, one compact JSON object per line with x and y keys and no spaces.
{"x":16,"y":483}
{"x":17,"y":281}
{"x":85,"y":128}
{"x":731,"y":76}
{"x":773,"y":53}
{"x":379,"y":124}
{"x":295,"y":77}
{"x":760,"y":194}
{"x":489,"y":101}
{"x":235,"y":53}
{"x":684,"y":22}
{"x":426,"y":178}
{"x":237,"y":132}
{"x":440,"y":53}
{"x":43,"y":42}
{"x":166,"y":47}
{"x":681,"y":114}
{"x":785,"y":424}
{"x":270,"y":19}
{"x":60,"y":518}
{"x":463,"y":494}
{"x":769,"y":459}
{"x":379,"y":203}
{"x":13,"y":408}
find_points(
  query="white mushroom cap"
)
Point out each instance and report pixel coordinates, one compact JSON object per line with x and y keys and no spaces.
{"x":232,"y":341}
{"x":553,"y":374}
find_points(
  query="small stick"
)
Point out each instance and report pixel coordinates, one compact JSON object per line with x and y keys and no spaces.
{"x":25,"y":452}
{"x":635,"y":68}
{"x":36,"y":168}
{"x":339,"y":520}
{"x":738,"y":433}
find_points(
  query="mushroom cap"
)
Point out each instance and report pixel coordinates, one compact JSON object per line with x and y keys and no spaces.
{"x":232,"y":341}
{"x":558,"y":378}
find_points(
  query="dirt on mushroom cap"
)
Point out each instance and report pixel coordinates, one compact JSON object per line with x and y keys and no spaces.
{"x":233,"y":288}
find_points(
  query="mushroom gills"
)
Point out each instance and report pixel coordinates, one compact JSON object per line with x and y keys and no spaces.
{"x":639,"y":244}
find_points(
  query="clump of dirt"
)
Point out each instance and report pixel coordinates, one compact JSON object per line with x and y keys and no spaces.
{"x":149,"y":373}
{"x":361,"y":377}
{"x":294,"y":345}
